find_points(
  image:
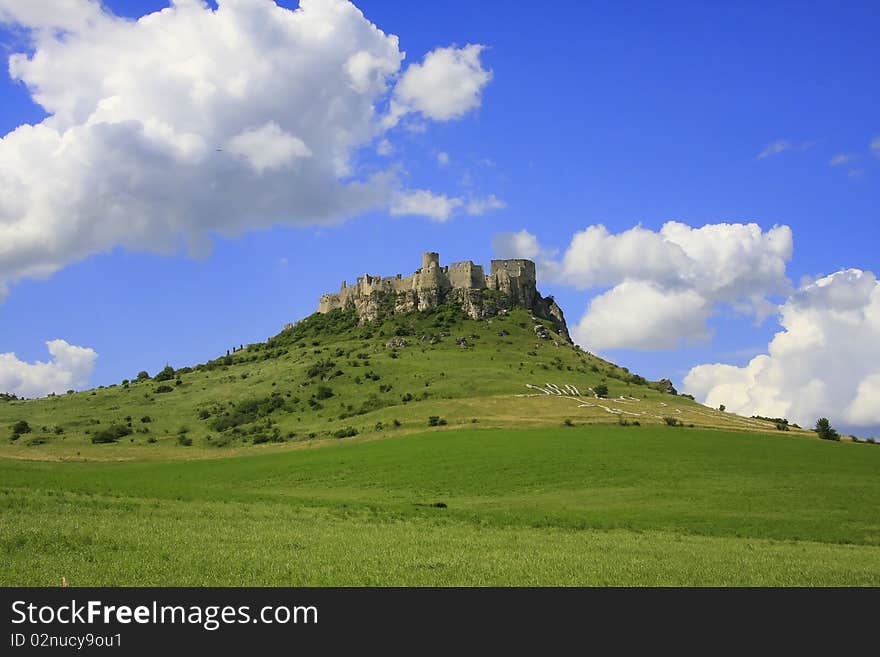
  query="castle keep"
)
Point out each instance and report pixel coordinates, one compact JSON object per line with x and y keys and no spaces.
{"x":463,"y":282}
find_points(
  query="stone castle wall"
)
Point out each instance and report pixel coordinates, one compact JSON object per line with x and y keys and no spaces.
{"x":432,"y":284}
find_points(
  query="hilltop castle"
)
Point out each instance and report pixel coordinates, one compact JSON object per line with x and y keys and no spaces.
{"x":463,"y":282}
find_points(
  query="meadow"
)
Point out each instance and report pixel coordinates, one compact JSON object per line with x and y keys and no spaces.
{"x":582,"y":505}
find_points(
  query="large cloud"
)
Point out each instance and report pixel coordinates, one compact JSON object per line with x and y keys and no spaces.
{"x":826,"y":361}
{"x":191,"y":121}
{"x":70,"y":367}
{"x":664,"y":284}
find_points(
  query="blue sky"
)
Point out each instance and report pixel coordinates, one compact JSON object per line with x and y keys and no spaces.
{"x":596,"y":113}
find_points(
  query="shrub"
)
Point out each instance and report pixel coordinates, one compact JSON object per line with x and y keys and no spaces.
{"x":324,"y":392}
{"x":436,"y":421}
{"x":111,"y":434}
{"x":396,"y":423}
{"x":143,"y":375}
{"x":321,"y":368}
{"x":567,"y":422}
{"x":825,"y":430}
{"x":204,"y":414}
{"x":152,"y":439}
{"x":601,"y":390}
{"x":146,"y":419}
{"x":19,"y":428}
{"x":673,"y":422}
{"x":164,"y":388}
{"x":184,"y":440}
{"x":166,"y":374}
{"x":346,"y":432}
{"x":250,"y":410}
{"x":407,"y":397}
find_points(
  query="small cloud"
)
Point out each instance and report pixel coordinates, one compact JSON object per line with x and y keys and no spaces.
{"x":282,"y":263}
{"x":479,"y":206}
{"x":842,"y":158}
{"x":782,"y":145}
{"x":384,"y":148}
{"x":855,"y":173}
{"x":442,"y":158}
{"x":875,"y":146}
{"x":425,"y":203}
{"x":446,"y":85}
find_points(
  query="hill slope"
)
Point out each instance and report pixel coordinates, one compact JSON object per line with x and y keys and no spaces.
{"x":328,"y":378}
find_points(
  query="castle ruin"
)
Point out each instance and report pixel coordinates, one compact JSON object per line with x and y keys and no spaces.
{"x":463,"y":282}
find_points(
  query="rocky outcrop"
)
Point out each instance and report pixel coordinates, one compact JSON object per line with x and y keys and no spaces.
{"x":666,"y":386}
{"x":510,"y":283}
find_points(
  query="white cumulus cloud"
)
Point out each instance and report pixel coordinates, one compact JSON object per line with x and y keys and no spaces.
{"x":446,"y":85}
{"x":641,"y":315}
{"x":824,"y":363}
{"x":192,"y":121}
{"x":70,"y":367}
{"x":652,"y":272}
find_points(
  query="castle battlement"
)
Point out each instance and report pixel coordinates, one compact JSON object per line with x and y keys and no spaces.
{"x":432,"y":284}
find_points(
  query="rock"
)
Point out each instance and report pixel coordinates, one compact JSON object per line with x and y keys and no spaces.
{"x":502,"y":333}
{"x":667,"y":387}
{"x":542,"y":332}
{"x":462,"y":342}
{"x":396,"y":343}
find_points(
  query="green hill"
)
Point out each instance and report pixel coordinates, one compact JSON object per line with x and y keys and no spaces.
{"x":327,"y":378}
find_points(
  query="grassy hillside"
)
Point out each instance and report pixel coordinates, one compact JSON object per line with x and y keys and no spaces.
{"x":328,"y":379}
{"x":647,"y":505}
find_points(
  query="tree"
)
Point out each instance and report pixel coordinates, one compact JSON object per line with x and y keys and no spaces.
{"x":722,"y":408}
{"x":601,"y":390}
{"x":143,"y":375}
{"x":825,"y":431}
{"x":166,"y":374}
{"x":19,"y":428}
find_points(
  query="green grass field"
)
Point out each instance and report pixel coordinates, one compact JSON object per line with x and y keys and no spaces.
{"x":587,"y":505}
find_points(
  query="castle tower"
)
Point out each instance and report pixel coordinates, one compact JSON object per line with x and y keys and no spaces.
{"x":429,"y":258}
